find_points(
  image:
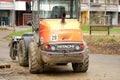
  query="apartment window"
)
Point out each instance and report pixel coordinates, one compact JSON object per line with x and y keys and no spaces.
{"x":94,"y":1}
{"x":113,"y":1}
{"x":91,"y":1}
{"x":4,"y":15}
{"x":110,"y":1}
{"x":107,"y":1}
{"x":84,"y":0}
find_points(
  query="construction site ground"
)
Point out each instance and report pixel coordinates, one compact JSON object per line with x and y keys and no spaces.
{"x":104,"y":62}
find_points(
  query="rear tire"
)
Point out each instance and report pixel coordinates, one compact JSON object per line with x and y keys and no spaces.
{"x":22,"y":58}
{"x":34,"y":66}
{"x":12,"y":52}
{"x":81,"y":67}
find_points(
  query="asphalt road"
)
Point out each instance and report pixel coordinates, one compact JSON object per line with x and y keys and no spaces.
{"x":101,"y":67}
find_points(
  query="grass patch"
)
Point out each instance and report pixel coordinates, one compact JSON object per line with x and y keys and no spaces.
{"x":85,"y":28}
{"x":103,"y":40}
{"x":100,"y":40}
{"x":19,"y":33}
{"x":115,"y":30}
{"x":111,"y":40}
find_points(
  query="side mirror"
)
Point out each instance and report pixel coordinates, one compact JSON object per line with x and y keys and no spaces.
{"x":29,"y":23}
{"x":28,"y":6}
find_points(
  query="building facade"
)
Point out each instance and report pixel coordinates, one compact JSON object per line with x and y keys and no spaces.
{"x":13,"y":12}
{"x":93,"y":8}
{"x":84,"y":18}
{"x":118,"y":11}
{"x":22,"y":16}
{"x":105,"y":7}
{"x":7,"y":12}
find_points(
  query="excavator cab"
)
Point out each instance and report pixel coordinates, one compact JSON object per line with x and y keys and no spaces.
{"x":57,"y":12}
{"x":54,"y":9}
{"x":57,"y":17}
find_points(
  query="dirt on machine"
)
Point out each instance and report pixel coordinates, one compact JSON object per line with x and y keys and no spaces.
{"x":56,"y":37}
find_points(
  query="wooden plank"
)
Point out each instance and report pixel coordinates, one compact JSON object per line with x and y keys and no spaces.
{"x":2,"y":66}
{"x":102,"y":28}
{"x":99,"y":28}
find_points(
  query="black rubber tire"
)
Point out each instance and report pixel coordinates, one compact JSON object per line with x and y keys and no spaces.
{"x":12,"y":52}
{"x":34,"y":66}
{"x":22,"y":58}
{"x":81,"y":67}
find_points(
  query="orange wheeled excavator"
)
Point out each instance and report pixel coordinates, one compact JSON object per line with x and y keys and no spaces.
{"x":56,"y":37}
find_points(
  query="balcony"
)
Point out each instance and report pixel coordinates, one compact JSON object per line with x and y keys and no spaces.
{"x":8,"y":5}
{"x":84,"y":6}
{"x":103,"y":7}
{"x":18,"y":5}
{"x":112,"y":7}
{"x":95,"y":4}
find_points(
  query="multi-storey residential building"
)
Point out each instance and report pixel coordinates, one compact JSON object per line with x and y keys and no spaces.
{"x":13,"y":12}
{"x":105,"y":7}
{"x":7,"y":12}
{"x":84,"y":18}
{"x":119,"y":12}
{"x":22,"y":16}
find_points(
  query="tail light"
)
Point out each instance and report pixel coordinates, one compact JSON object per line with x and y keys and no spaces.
{"x":47,"y":47}
{"x":82,"y":46}
{"x":79,"y":47}
{"x":50,"y":47}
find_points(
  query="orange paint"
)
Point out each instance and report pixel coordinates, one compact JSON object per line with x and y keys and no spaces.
{"x":54,"y":31}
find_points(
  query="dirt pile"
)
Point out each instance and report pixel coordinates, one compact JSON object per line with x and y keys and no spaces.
{"x":103,"y":44}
